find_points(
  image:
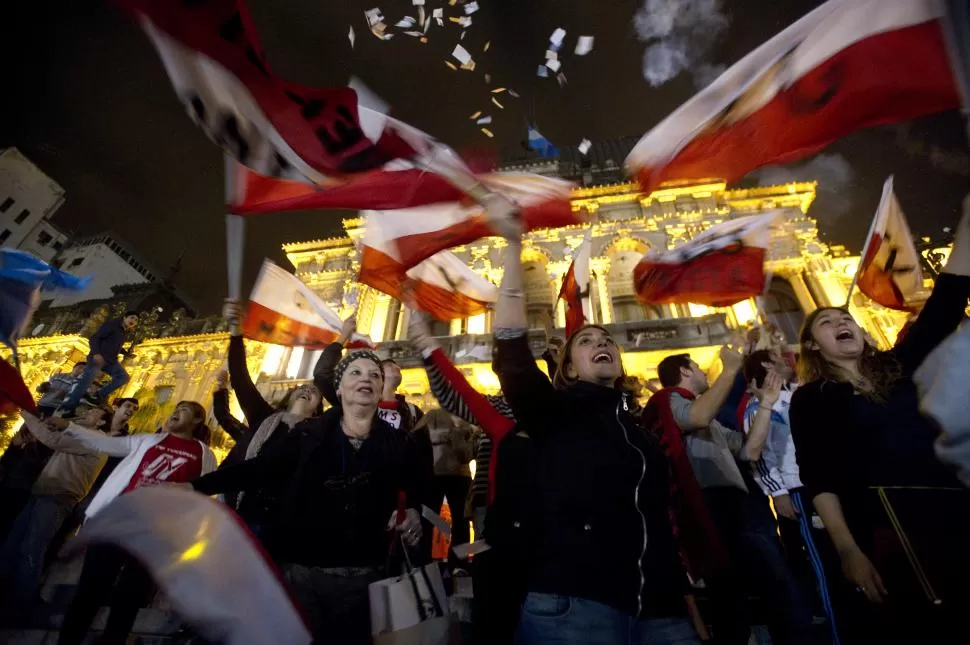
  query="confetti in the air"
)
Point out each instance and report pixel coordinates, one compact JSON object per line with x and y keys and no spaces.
{"x":485,"y":120}
{"x":461,"y":55}
{"x":498,"y":90}
{"x":584,"y":45}
{"x":373,"y":16}
{"x":471,"y":8}
{"x":417,"y":3}
{"x":551,"y":55}
{"x":497,"y":104}
{"x":451,"y":65}
{"x":476,"y":115}
{"x":542,"y":72}
{"x":561,"y":77}
{"x":351,"y":36}
{"x":488,"y":43}
{"x":557,"y":36}
{"x":488,"y":78}
{"x":584,"y":146}
{"x":513,"y":93}
{"x":487,"y":133}
{"x":406,"y":22}
{"x":553,"y":65}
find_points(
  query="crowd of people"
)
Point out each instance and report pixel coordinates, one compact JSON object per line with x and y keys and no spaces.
{"x":810,"y":500}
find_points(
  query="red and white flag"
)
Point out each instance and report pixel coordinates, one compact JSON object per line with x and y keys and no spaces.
{"x":213,"y":58}
{"x":416,"y":234}
{"x":575,"y":288}
{"x":212,"y":570}
{"x":284,"y":311}
{"x":849,"y":64}
{"x":442,"y":285}
{"x":720,"y":267}
{"x":890,"y":272}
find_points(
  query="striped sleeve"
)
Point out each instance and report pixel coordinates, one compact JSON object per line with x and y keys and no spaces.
{"x":765,"y":470}
{"x":456,"y":395}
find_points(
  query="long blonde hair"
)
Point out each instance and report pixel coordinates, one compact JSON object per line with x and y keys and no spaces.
{"x":879,"y":368}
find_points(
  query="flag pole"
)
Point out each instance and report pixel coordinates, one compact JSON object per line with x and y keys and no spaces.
{"x":956,"y":32}
{"x":235,"y":234}
{"x":862,"y":257}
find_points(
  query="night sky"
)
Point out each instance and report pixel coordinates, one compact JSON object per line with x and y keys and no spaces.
{"x":87,"y":100}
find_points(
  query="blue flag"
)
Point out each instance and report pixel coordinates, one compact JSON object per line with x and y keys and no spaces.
{"x":540,"y":144}
{"x":22,"y":277}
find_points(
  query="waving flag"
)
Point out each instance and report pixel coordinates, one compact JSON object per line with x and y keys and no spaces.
{"x":890,"y":272}
{"x":206,"y":562}
{"x":575,"y":288}
{"x":284,"y":311}
{"x":539,"y":143}
{"x":720,"y":267}
{"x":22,"y":278}
{"x":442,"y":285}
{"x":849,"y":64}
{"x":416,"y":234}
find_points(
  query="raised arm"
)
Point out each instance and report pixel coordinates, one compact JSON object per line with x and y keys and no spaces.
{"x":528,"y":391}
{"x":705,"y":407}
{"x":323,"y":371}
{"x":220,"y":410}
{"x":946,"y":307}
{"x":757,"y":423}
{"x":53,"y":440}
{"x":253,"y":405}
{"x":450,"y":387}
{"x":75,"y":439}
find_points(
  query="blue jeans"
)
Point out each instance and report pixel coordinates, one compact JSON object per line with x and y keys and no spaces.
{"x":118,"y":378}
{"x":549,"y":619}
{"x":789,"y":610}
{"x":22,"y":557}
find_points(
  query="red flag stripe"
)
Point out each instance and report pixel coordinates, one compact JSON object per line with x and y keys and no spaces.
{"x":384,"y":273}
{"x":717,"y":279}
{"x":417,"y":247}
{"x":866,"y":84}
{"x":376,"y":190}
{"x":268,"y":326}
{"x":321,"y":126}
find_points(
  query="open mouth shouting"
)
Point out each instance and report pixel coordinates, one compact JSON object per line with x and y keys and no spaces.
{"x":365,"y":388}
{"x":604,"y":358}
{"x":844,"y":335}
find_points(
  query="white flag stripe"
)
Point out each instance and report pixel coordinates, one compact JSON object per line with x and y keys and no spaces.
{"x":222,"y":93}
{"x":818,"y":36}
{"x":284,"y":293}
{"x":445,"y":270}
{"x":894,"y":233}
{"x":522,"y":188}
{"x":752,"y":231}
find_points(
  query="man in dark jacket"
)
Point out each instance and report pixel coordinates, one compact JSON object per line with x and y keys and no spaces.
{"x":105,"y":346}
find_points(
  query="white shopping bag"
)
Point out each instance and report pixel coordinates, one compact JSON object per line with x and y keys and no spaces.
{"x":410,"y":609}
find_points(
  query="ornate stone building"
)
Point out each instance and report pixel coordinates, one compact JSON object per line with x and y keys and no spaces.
{"x":178,"y":359}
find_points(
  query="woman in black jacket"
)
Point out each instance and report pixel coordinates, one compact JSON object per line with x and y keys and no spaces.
{"x":267,"y":424}
{"x":602,"y":564}
{"x":343,"y":473}
{"x":898,"y":517}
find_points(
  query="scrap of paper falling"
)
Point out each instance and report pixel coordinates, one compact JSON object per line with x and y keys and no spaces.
{"x":584,"y":45}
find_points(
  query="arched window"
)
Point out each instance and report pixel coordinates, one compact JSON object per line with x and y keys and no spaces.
{"x":619,"y":283}
{"x":783,"y":310}
{"x":539,"y":296}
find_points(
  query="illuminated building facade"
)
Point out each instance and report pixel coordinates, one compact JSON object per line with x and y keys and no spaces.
{"x":179,"y":358}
